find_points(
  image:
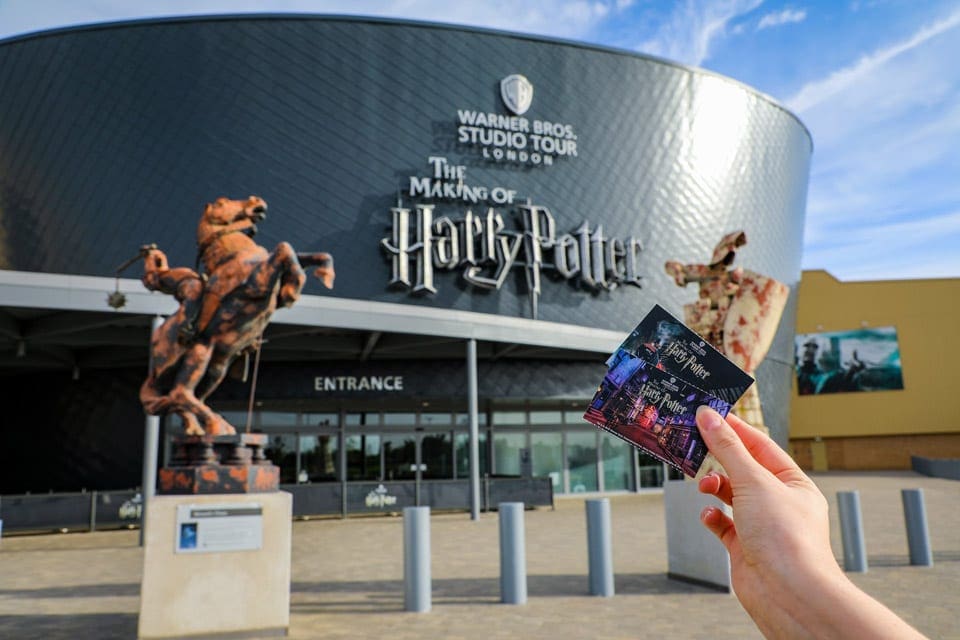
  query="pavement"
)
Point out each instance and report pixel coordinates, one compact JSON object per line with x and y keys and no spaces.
{"x":347,"y":575}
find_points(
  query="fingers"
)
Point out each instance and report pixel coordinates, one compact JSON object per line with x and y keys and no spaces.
{"x":717,"y":485}
{"x":764,"y":450}
{"x":725,"y":443}
{"x":720,"y":525}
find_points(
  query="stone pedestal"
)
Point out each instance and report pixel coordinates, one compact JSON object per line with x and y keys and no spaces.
{"x":217,"y":465}
{"x":693,"y":553}
{"x":238,"y":593}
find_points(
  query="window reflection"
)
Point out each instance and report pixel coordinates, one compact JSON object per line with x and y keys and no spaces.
{"x":582,"y":460}
{"x":399,"y":456}
{"x":363,"y":457}
{"x":617,"y":458}
{"x":463,"y":419}
{"x":463,"y":453}
{"x":277,"y":419}
{"x":320,"y":419}
{"x":281,"y":449}
{"x":318,"y":458}
{"x":545,"y":417}
{"x":436,"y":453}
{"x":238,"y":419}
{"x":547,"y":450}
{"x":506,"y":452}
{"x":400,"y":419}
{"x":651,"y":471}
{"x":435,"y":419}
{"x":307,"y":446}
{"x":509,"y":417}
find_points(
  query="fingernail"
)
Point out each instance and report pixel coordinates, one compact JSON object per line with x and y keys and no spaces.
{"x":707,"y":418}
{"x":706,"y":513}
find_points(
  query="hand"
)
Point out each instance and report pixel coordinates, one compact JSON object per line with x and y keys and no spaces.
{"x":782,"y":566}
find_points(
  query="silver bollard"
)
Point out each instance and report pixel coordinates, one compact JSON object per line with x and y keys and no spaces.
{"x":513,"y":555}
{"x":599,"y":551}
{"x":918,"y":538}
{"x":851,"y":531}
{"x":416,"y":559}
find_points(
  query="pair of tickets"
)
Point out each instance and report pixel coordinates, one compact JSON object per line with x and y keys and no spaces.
{"x":656,"y":380}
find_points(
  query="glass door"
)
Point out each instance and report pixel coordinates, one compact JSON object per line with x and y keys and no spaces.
{"x":651,"y":471}
{"x":363,"y":457}
{"x":617,"y":458}
{"x":319,"y":458}
{"x":547,"y":449}
{"x":582,"y":461}
{"x":436,"y":456}
{"x":400,"y":457}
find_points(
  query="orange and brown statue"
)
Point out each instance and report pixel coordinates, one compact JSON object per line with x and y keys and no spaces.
{"x":737,"y":311}
{"x":222,"y":313}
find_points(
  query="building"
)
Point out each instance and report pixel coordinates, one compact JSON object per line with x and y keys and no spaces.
{"x":522,"y":193}
{"x":883,"y":353}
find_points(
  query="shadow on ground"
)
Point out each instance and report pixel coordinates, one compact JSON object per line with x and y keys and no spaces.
{"x":351,"y":597}
{"x":77,"y":591}
{"x":103,"y":626}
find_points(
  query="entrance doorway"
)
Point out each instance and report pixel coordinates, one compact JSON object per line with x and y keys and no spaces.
{"x":417,"y":456}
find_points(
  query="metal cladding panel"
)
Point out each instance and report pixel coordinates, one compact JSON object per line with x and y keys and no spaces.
{"x":115,"y":136}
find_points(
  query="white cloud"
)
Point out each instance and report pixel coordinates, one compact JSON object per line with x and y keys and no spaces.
{"x":911,"y":248}
{"x":777,"y":19}
{"x":816,"y":92}
{"x":694,"y":27}
{"x":884,"y":201}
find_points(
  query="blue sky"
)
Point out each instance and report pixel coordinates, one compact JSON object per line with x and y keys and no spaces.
{"x":876,"y":81}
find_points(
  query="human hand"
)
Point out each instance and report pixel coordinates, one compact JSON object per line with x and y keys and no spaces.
{"x":782,"y":566}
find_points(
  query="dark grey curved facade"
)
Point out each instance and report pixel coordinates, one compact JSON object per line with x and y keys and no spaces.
{"x":114,"y":136}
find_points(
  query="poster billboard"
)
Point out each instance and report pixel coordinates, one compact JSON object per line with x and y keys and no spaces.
{"x":866,"y":359}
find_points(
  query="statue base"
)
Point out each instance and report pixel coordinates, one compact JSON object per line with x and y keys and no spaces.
{"x":218,"y":464}
{"x":216,"y":590}
{"x":693,"y":553}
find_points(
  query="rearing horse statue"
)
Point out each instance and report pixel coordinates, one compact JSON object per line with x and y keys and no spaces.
{"x":222,"y":313}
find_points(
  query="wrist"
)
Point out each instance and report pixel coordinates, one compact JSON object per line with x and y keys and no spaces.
{"x":827,"y":604}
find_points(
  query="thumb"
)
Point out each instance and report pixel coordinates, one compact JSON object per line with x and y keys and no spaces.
{"x":724,"y":443}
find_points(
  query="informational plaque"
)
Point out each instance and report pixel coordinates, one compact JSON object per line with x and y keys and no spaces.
{"x":214,"y":528}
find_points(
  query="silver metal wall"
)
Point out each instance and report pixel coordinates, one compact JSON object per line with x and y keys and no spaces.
{"x":115,"y":136}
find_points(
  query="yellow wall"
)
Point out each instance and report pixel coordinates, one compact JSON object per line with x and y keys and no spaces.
{"x":926,"y":314}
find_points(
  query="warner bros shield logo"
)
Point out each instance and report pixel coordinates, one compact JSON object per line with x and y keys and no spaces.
{"x":517,"y":93}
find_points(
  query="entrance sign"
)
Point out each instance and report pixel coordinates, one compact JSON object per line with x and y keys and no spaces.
{"x":512,"y":139}
{"x":216,"y":528}
{"x":358,"y":383}
{"x":483,"y":247}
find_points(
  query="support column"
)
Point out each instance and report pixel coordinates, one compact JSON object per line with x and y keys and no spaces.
{"x":151,"y":441}
{"x":474,"y":430}
{"x":342,"y":454}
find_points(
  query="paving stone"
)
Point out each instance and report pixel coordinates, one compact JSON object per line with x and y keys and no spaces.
{"x":347,"y":575}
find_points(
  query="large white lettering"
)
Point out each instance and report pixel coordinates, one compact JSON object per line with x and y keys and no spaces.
{"x":358,"y":383}
{"x":487,"y":251}
{"x":505,"y":138}
{"x":483,"y":247}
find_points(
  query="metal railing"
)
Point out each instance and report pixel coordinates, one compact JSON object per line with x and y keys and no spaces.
{"x":97,"y":510}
